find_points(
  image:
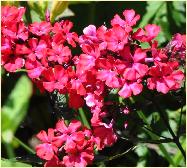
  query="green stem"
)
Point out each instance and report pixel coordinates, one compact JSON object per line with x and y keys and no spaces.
{"x":21,"y":70}
{"x":121,"y":154}
{"x":156,"y":137}
{"x":83,"y":117}
{"x":9,"y":150}
{"x":175,"y":138}
{"x":24,"y":145}
{"x":142,"y":140}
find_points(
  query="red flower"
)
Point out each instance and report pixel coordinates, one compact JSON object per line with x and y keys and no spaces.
{"x":128,"y":89}
{"x":55,"y":78}
{"x":54,"y":162}
{"x":59,"y":53}
{"x":164,"y":77}
{"x":50,"y":144}
{"x":38,"y":49}
{"x":15,"y":63}
{"x":116,"y":38}
{"x":11,"y":14}
{"x":75,"y":100}
{"x":104,"y":136}
{"x":152,"y":31}
{"x":130,"y":20}
{"x":76,"y":141}
{"x":41,"y":28}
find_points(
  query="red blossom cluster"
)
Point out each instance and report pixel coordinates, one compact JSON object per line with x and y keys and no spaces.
{"x":69,"y":146}
{"x":111,"y":58}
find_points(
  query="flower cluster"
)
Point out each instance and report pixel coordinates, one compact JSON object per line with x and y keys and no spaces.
{"x":71,"y":145}
{"x":111,"y":58}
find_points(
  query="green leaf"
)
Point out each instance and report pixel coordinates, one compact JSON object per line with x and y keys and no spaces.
{"x":152,"y":9}
{"x":145,"y":45}
{"x":10,"y":163}
{"x":155,"y":118}
{"x":142,"y":151}
{"x":67,"y":13}
{"x":10,"y":3}
{"x":39,"y":7}
{"x":162,"y":148}
{"x":178,"y":158}
{"x":57,"y":8}
{"x":179,"y":5}
{"x":15,"y":108}
{"x":35,"y":16}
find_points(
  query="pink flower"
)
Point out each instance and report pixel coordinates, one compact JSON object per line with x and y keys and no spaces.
{"x":41,"y":28}
{"x":130,"y":17}
{"x":54,"y":78}
{"x":130,"y":20}
{"x":116,"y":38}
{"x":50,"y":144}
{"x":75,"y":100}
{"x":104,"y":136}
{"x":11,"y":14}
{"x":164,"y":77}
{"x":38,"y":49}
{"x":59,"y":53}
{"x":110,"y":78}
{"x":130,"y":88}
{"x":152,"y":31}
{"x":34,"y":68}
{"x":15,"y":63}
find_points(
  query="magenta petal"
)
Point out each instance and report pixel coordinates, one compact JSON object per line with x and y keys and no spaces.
{"x":125,"y":91}
{"x":45,"y":151}
{"x":136,"y":88}
{"x":162,"y":87}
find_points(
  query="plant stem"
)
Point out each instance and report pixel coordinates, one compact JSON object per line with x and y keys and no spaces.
{"x":9,"y":150}
{"x":175,"y":138}
{"x":179,"y":124}
{"x":24,"y":145}
{"x":153,"y":136}
{"x":152,"y":141}
{"x":83,"y":117}
{"x":121,"y":154}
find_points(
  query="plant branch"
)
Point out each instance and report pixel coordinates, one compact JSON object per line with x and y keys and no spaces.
{"x":83,"y":117}
{"x":155,"y":133}
{"x":179,"y":124}
{"x":175,"y":138}
{"x":24,"y":145}
{"x":153,"y":141}
{"x":121,"y":154}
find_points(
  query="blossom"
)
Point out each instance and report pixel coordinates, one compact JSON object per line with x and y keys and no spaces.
{"x":59,"y":53}
{"x":41,"y":28}
{"x":54,"y":78}
{"x":151,"y":31}
{"x":104,"y":136}
{"x":75,"y":141}
{"x":10,"y":14}
{"x":116,"y":38}
{"x":164,"y":77}
{"x":50,"y":144}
